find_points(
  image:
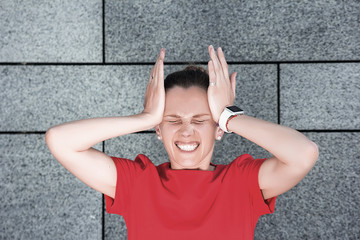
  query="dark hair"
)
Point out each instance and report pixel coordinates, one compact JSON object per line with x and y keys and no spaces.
{"x":188,"y":77}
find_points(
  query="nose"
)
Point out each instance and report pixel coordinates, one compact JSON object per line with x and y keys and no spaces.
{"x":186,"y":130}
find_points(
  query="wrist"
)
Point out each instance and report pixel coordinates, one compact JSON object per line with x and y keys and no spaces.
{"x":149,"y":119}
{"x":228,"y":113}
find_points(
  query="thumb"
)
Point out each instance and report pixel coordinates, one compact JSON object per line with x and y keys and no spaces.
{"x":233,"y":82}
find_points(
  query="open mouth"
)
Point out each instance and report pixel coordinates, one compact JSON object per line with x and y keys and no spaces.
{"x":187,"y":147}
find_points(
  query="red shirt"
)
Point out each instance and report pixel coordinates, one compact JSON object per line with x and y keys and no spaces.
{"x":158,"y":202}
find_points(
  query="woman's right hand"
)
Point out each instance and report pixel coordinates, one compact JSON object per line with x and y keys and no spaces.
{"x":71,"y":143}
{"x":154,"y":102}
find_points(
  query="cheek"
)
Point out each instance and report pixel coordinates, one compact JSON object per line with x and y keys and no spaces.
{"x":167,"y":132}
{"x":207,"y":132}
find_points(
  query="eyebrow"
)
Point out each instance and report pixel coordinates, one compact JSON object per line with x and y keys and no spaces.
{"x":195,"y":116}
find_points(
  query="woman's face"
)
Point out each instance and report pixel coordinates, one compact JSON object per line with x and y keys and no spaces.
{"x":188,"y":130}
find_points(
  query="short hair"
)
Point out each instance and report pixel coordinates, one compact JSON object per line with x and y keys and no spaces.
{"x":188,"y":77}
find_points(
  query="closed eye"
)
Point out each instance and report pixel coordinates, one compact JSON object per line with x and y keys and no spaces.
{"x":174,"y":121}
{"x":199,"y":121}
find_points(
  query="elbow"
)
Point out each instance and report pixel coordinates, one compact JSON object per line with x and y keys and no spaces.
{"x":310,"y":155}
{"x":49,"y":137}
{"x":52,"y":138}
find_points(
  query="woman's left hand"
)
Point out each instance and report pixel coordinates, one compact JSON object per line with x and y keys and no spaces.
{"x":221,"y":91}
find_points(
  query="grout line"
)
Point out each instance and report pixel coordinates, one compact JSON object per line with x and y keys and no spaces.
{"x":278,"y":93}
{"x":103,"y":217}
{"x":152,"y":132}
{"x":22,"y":132}
{"x":43,"y":132}
{"x":241,"y":62}
{"x":328,"y":130}
{"x":171,"y":63}
{"x":103,"y":31}
{"x":146,"y":132}
{"x":103,"y":206}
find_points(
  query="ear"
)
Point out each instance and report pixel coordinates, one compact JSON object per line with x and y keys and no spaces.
{"x":219,"y":133}
{"x":158,"y":132}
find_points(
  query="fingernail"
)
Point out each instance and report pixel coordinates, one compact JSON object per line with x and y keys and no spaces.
{"x":220,"y":48}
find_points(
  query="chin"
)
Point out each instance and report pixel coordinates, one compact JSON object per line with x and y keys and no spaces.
{"x":185,"y":164}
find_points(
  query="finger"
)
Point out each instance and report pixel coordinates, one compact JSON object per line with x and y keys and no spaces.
{"x":161,"y":71}
{"x":212,"y":75}
{"x":215,"y":61}
{"x":223,"y":62}
{"x":153,"y":71}
{"x":214,"y":58}
{"x":160,"y":56}
{"x":159,"y":74}
{"x":233,"y":82}
{"x":159,"y":68}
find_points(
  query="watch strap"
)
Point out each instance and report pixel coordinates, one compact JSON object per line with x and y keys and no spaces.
{"x":225,"y":117}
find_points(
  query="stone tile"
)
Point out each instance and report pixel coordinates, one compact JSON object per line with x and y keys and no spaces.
{"x":51,"y":31}
{"x":246,"y":30}
{"x":37,"y":97}
{"x":39,"y":199}
{"x":325,"y":204}
{"x":320,"y":96}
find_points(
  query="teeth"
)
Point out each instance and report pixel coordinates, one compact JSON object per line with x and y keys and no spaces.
{"x":187,"y":147}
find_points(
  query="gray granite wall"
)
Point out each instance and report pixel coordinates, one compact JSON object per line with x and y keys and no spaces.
{"x":298,"y":64}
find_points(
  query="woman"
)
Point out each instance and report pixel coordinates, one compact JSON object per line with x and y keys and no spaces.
{"x":188,"y":197}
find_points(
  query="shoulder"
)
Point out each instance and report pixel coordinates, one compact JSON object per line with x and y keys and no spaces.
{"x":246,"y":165}
{"x":246,"y":160}
{"x":141,"y":162}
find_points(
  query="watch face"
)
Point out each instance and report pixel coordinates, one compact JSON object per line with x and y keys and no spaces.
{"x":234,"y":109}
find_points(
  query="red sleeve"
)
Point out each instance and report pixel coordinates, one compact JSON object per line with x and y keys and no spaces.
{"x":127,"y":171}
{"x":252,"y":167}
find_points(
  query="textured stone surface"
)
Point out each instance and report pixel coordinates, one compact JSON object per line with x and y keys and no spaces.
{"x":320,"y":96}
{"x":37,"y":97}
{"x":39,"y":199}
{"x":129,"y":146}
{"x":247,"y":30}
{"x":325,"y":204}
{"x":51,"y":31}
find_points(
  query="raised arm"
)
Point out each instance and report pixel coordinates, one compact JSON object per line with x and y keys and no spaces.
{"x":294,"y":154}
{"x":71,"y":143}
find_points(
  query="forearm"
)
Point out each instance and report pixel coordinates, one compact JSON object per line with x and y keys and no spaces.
{"x":83,"y":134}
{"x":286,"y":144}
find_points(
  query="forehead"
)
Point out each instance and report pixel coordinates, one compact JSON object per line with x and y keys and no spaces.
{"x":186,"y":102}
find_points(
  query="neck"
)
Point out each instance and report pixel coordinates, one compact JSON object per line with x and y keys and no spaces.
{"x":202,"y":168}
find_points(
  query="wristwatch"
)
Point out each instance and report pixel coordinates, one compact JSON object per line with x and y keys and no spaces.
{"x":228,"y":113}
